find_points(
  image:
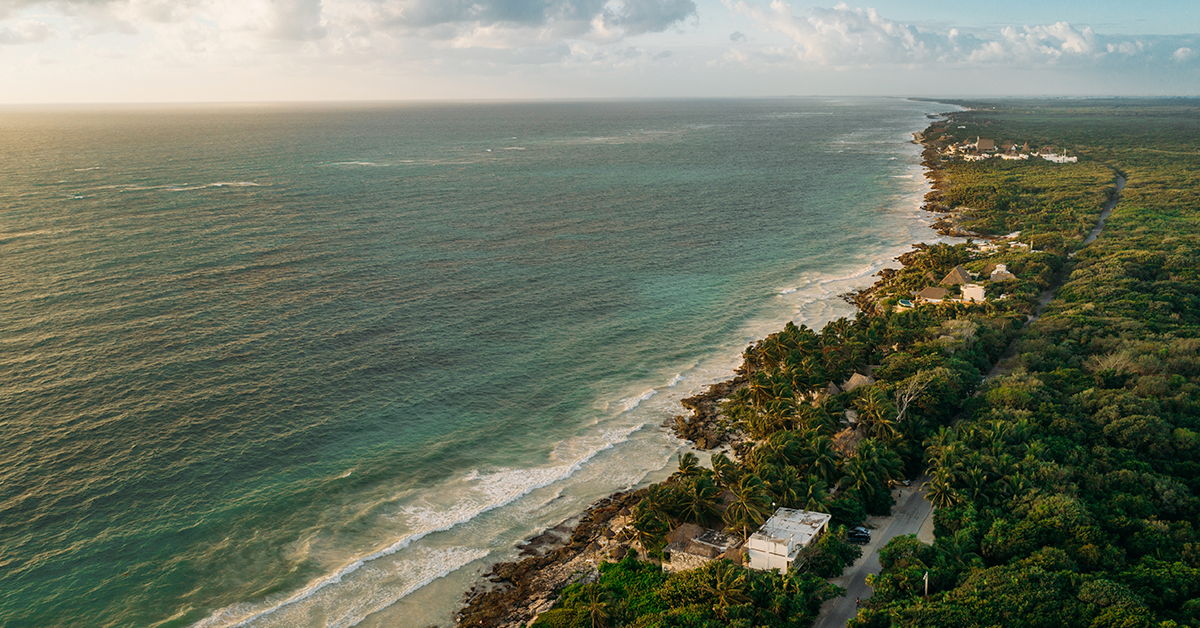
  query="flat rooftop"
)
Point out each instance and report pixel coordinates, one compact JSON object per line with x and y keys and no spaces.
{"x":793,"y":527}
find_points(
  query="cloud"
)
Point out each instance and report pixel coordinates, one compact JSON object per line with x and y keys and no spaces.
{"x":573,"y":17}
{"x":1183,"y":54}
{"x":295,"y":20}
{"x":737,"y":36}
{"x":651,"y":16}
{"x":344,"y":26}
{"x":25,"y":32}
{"x":854,"y":37}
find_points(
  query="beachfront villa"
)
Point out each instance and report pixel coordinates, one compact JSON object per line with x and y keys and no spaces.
{"x":932,"y":293}
{"x":957,"y":277}
{"x":779,"y":541}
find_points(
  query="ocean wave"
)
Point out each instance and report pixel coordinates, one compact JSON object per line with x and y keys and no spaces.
{"x":675,"y":380}
{"x":438,"y":563}
{"x":26,"y":234}
{"x":492,"y":490}
{"x":86,"y":169}
{"x":183,"y":187}
{"x":370,"y":164}
{"x":424,"y":567}
{"x":630,"y":403}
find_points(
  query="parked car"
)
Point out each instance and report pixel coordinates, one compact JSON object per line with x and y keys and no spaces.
{"x":859,"y":535}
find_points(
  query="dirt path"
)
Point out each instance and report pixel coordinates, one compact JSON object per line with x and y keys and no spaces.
{"x":1046,"y":297}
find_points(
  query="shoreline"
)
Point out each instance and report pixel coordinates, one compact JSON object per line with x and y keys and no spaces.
{"x":512,"y":594}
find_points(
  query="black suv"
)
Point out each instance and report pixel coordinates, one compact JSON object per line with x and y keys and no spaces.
{"x":859,"y":535}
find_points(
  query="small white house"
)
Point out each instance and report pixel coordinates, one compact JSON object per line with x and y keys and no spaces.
{"x":1001,"y":273}
{"x":972,"y":292}
{"x":781,"y":538}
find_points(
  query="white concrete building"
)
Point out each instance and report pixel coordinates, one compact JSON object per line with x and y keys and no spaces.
{"x":781,"y":538}
{"x":972,"y":292}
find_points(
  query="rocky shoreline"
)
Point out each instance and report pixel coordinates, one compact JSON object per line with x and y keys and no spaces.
{"x":512,"y":594}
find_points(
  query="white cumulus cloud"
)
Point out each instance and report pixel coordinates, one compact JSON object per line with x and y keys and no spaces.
{"x":25,"y":32}
{"x":844,"y":36}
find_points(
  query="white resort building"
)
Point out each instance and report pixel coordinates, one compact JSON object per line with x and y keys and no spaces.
{"x":781,"y":538}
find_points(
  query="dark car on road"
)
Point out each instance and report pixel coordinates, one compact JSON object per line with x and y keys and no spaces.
{"x":859,"y":535}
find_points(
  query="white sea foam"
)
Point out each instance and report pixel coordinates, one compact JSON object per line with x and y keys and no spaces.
{"x":375,"y":588}
{"x":26,"y":234}
{"x":632,"y":402}
{"x":454,"y":511}
{"x":486,"y":492}
{"x":190,"y":188}
{"x":370,"y":164}
{"x":86,"y":169}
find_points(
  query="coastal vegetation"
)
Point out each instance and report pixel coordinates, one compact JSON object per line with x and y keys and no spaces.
{"x":1066,"y":495}
{"x":1064,"y":485}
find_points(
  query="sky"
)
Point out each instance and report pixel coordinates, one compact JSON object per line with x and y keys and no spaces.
{"x":88,"y":51}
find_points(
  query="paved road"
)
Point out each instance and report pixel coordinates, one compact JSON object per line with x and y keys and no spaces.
{"x":912,"y":509}
{"x":910,"y":513}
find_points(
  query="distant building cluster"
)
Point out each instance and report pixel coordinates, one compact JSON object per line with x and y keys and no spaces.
{"x":983,"y":148}
{"x":971,"y":291}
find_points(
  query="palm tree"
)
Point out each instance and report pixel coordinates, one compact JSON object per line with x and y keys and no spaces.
{"x":813,"y":493}
{"x":871,"y":467}
{"x":821,"y":458}
{"x":751,"y":504}
{"x":783,"y":447}
{"x":975,"y":480}
{"x":661,"y":499}
{"x":689,"y":467}
{"x":877,"y":414}
{"x":727,"y":586}
{"x":1012,"y":485}
{"x":940,"y":490}
{"x":839,"y":328}
{"x":650,"y":530}
{"x":938,"y":443}
{"x":761,"y":389}
{"x":772,"y":351}
{"x":816,"y":419}
{"x":788,"y":488}
{"x":726,"y":471}
{"x":698,"y":499}
{"x":960,"y":550}
{"x":595,"y":607}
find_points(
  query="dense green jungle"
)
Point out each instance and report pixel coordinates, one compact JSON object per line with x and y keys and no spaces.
{"x":1064,"y":484}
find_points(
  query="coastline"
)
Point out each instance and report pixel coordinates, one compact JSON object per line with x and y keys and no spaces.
{"x":512,"y":594}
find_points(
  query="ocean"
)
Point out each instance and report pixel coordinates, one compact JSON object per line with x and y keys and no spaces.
{"x":322,"y":365}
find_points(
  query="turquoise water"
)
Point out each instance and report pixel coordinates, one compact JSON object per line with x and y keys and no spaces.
{"x":269,"y":365}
